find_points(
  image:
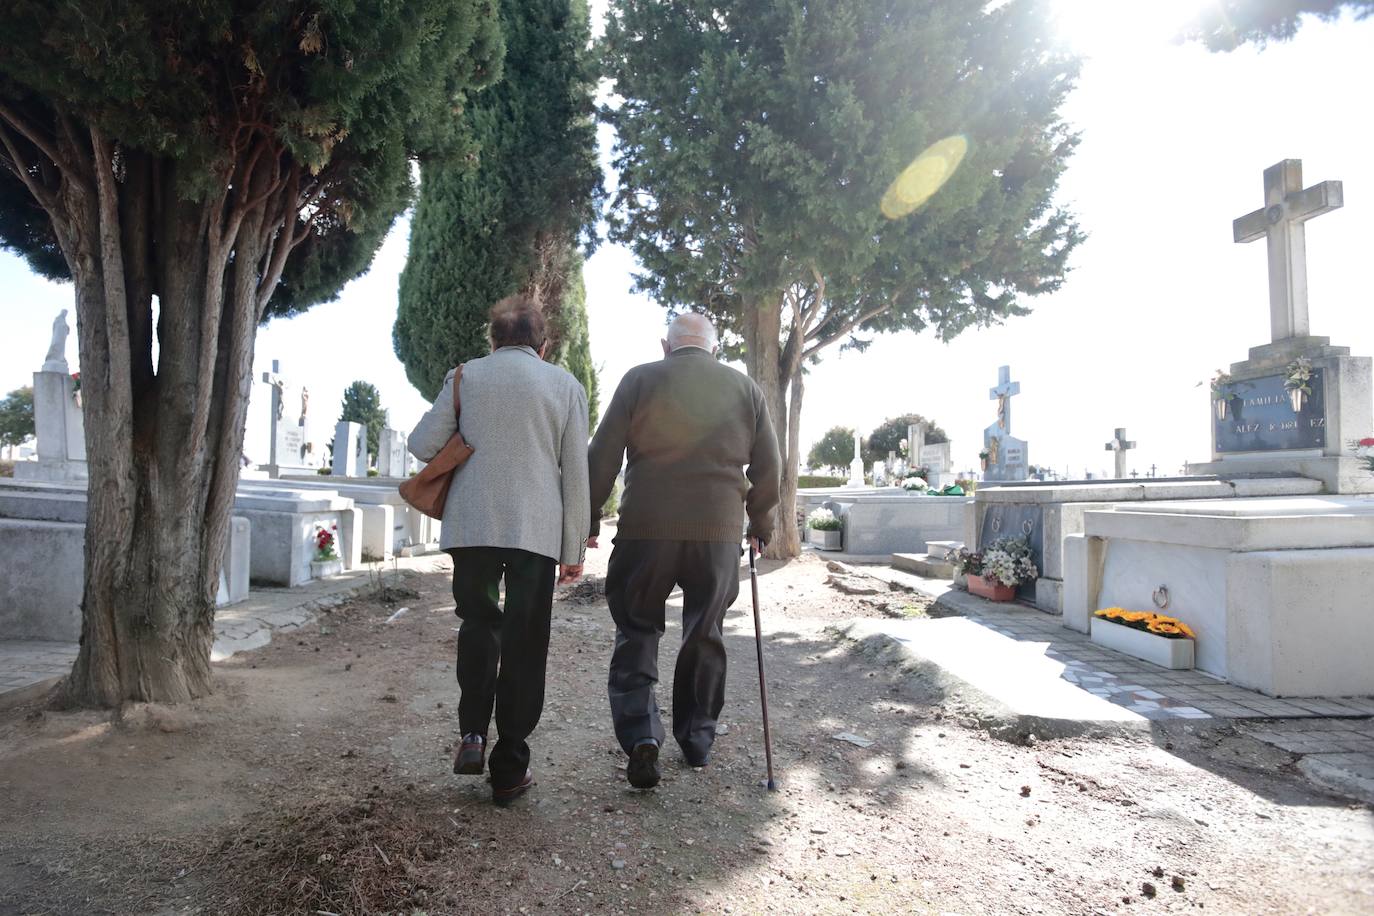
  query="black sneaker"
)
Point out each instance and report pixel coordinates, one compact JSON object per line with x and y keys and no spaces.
{"x":472,"y":756}
{"x":643,"y":770}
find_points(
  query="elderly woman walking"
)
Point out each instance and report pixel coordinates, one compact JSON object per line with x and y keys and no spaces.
{"x":516,"y":510}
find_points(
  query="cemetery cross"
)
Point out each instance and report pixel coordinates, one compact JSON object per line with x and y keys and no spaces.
{"x":1287,"y":206}
{"x":278,"y":407}
{"x":1120,"y":446}
{"x":1002,"y":394}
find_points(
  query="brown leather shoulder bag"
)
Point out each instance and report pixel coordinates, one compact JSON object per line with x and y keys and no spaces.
{"x":428,"y":490}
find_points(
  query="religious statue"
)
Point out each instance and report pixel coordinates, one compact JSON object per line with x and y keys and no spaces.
{"x":279,"y":386}
{"x":305,"y":403}
{"x":1002,"y":410}
{"x":56,"y":360}
{"x":994,"y":448}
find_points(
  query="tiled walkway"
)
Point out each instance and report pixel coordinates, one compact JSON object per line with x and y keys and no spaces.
{"x":1151,"y":691}
{"x":1145,"y":689}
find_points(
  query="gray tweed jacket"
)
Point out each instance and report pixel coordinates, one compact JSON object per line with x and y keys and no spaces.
{"x":525,"y":485}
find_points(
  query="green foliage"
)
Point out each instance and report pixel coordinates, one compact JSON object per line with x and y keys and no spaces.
{"x":890,"y":433}
{"x":362,"y":403}
{"x":347,"y":89}
{"x":834,"y":450}
{"x":1224,"y":25}
{"x":16,"y":417}
{"x":755,"y":141}
{"x":575,"y":342}
{"x":511,"y":223}
{"x":811,"y":481}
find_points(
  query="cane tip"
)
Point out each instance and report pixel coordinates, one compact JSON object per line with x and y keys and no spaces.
{"x":772,"y":785}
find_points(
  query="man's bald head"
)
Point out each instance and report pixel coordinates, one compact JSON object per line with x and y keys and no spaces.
{"x":691,"y":330}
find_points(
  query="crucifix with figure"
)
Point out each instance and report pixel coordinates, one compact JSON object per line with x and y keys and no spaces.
{"x":278,"y":384}
{"x":1287,"y":206}
{"x":1002,"y":394}
{"x":1120,"y":446}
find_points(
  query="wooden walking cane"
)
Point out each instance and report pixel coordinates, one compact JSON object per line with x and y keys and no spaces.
{"x":763,"y":684}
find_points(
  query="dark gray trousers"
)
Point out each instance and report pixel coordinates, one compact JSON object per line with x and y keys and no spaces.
{"x":642,"y":574}
{"x":502,"y":652}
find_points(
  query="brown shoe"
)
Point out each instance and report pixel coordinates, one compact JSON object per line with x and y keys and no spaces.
{"x":471,"y":756}
{"x":507,"y":795}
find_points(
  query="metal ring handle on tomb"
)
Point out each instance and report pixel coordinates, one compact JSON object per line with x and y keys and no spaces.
{"x":1160,"y":597}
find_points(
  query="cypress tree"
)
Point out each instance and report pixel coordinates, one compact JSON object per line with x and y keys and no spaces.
{"x":511,"y":223}
{"x":232,"y":161}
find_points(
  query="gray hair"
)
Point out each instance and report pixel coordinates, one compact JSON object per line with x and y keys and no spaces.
{"x":691,"y":329}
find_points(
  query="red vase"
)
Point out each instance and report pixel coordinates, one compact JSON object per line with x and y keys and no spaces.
{"x":991,"y":589}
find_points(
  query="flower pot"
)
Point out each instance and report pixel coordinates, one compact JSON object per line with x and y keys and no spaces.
{"x":825,"y":540}
{"x":322,"y":569}
{"x":1295,"y":398}
{"x":990,"y":589}
{"x":1220,"y":406}
{"x":1142,"y":644}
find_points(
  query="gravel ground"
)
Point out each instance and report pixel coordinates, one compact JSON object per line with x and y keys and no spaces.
{"x":317,"y":780}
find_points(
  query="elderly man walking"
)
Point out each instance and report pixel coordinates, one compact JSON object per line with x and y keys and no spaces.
{"x":691,"y":427}
{"x":515,"y":510}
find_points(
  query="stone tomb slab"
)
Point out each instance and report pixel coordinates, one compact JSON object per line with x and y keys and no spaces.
{"x":43,"y":536}
{"x":900,"y":523}
{"x":1276,"y":589}
{"x":410,"y":530}
{"x":284,"y":524}
{"x":1063,"y":506}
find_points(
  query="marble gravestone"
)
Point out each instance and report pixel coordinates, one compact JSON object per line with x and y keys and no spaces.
{"x":1007,"y":455}
{"x":350,"y":443}
{"x":1259,"y":425}
{"x":1119,"y":446}
{"x":393,"y":456}
{"x":1275,"y":584}
{"x":856,"y":466}
{"x":291,"y":450}
{"x":57,"y":416}
{"x":934,"y":457}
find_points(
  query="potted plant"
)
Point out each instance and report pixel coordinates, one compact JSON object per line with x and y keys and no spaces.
{"x":997,"y":571}
{"x":824,"y":530}
{"x":983,"y":458}
{"x":1221,"y":397}
{"x":1297,"y":378}
{"x":1156,"y":638}
{"x":327,"y":561}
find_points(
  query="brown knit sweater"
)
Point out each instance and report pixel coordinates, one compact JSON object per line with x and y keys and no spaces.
{"x":690,"y":426}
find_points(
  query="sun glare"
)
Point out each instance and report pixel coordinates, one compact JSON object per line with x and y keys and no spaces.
{"x":1107,"y":26}
{"x":926,"y":175}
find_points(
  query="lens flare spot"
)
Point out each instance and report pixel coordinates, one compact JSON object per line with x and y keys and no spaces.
{"x":926,"y":175}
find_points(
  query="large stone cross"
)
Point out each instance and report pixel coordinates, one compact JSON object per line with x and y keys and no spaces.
{"x":1120,"y":446}
{"x":1287,"y":205}
{"x":278,"y":405}
{"x":1002,"y":394}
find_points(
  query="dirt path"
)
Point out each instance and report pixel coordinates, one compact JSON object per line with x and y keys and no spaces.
{"x":317,"y":780}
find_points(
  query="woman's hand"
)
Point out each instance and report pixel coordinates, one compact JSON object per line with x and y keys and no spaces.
{"x":568,"y":574}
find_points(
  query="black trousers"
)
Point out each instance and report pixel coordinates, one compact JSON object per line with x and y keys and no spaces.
{"x":642,"y":574}
{"x":502,"y":653}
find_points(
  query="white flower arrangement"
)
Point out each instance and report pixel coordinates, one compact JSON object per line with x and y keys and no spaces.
{"x":1008,"y":562}
{"x":823,"y":520}
{"x":917,"y":484}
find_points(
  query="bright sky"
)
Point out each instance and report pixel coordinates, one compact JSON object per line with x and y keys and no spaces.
{"x":1174,"y":143}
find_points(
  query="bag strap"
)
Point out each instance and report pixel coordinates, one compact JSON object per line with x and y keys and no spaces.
{"x":457,"y":400}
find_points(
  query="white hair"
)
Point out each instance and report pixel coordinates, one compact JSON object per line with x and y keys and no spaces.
{"x":692,"y":330}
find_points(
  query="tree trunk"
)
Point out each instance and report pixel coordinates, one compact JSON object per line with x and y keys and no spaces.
{"x":764,"y":363}
{"x":163,"y":446}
